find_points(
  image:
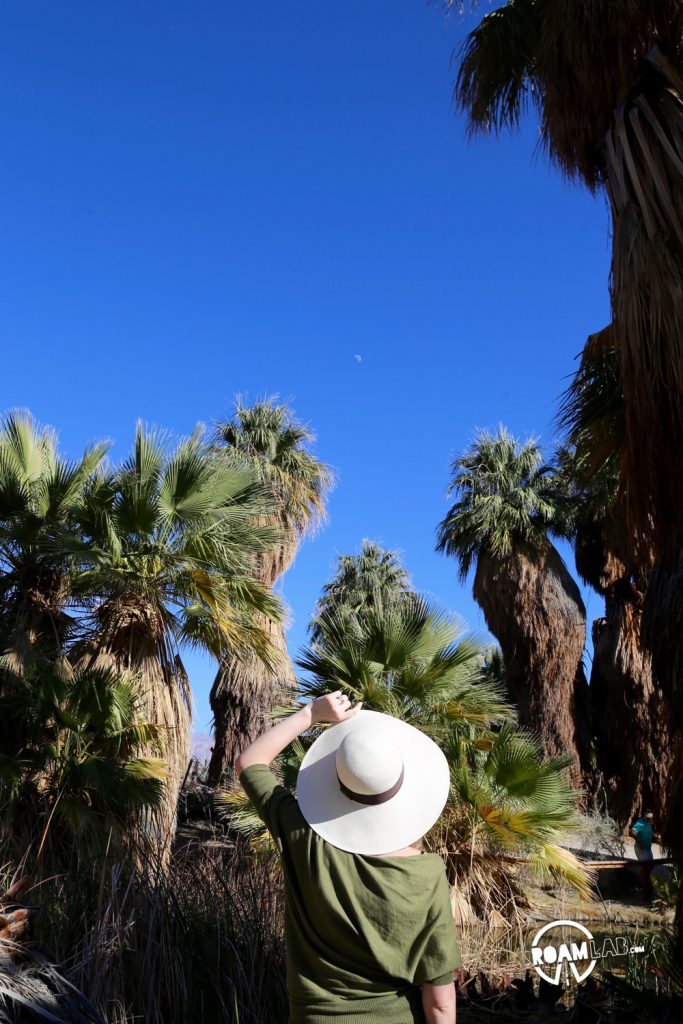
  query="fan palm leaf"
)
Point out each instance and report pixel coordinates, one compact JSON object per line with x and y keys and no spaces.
{"x":409,"y":660}
{"x":363,"y":581}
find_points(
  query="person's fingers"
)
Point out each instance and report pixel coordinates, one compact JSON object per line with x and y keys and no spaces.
{"x":354,"y":710}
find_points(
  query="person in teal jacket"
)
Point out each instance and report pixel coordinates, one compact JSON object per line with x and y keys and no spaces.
{"x":643,"y":833}
{"x":369,"y":927}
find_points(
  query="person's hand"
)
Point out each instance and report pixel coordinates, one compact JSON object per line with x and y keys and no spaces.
{"x":333,"y":707}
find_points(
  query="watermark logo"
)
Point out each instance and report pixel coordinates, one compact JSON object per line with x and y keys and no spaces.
{"x":579,"y":950}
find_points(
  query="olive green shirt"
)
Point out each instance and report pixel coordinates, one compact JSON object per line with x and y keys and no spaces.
{"x":362,"y":932}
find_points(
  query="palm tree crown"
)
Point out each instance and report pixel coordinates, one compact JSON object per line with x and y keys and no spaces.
{"x":268,"y":437}
{"x":506,"y":496}
{"x":373,"y":578}
{"x":508,"y":504}
{"x":408,"y":660}
{"x":537,"y":52}
{"x":71,"y":755}
{"x":40,"y":495}
{"x":170,"y":543}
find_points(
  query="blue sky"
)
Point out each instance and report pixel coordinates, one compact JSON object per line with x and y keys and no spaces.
{"x":201,"y":200}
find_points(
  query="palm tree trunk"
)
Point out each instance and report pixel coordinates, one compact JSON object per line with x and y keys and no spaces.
{"x":245,"y":690}
{"x":534,"y":609}
{"x":243,"y":693}
{"x":662,"y":632}
{"x":128,"y":639}
{"x":40,"y":625}
{"x":643,"y":158}
{"x":633,"y":741}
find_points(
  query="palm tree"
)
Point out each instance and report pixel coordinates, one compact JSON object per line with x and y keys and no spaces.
{"x":506,"y":506}
{"x":375,"y":577}
{"x":71,"y":764}
{"x":615,"y":123}
{"x":414,"y":663}
{"x":167,"y":559}
{"x":267,"y":438}
{"x":40,"y":494}
{"x":625,"y":698}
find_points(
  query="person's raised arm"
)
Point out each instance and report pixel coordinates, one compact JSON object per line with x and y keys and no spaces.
{"x":438,"y":1003}
{"x":329,"y":708}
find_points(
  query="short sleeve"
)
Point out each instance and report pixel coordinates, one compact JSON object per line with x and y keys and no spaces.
{"x":275,"y":805}
{"x":440,"y":955}
{"x":445,"y":979}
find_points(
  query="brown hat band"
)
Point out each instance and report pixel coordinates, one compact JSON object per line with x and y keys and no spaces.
{"x":372,"y":798}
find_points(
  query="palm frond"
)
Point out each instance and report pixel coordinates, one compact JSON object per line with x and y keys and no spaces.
{"x":552,"y":863}
{"x":497,"y":66}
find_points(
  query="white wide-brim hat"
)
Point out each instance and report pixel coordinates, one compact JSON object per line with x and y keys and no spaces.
{"x":398,"y":770}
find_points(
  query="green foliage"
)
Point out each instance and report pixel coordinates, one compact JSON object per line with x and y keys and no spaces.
{"x":668,"y":889}
{"x":493,"y":669}
{"x":407,"y":660}
{"x":507,"y":797}
{"x":70,"y":756}
{"x":506,"y":497}
{"x":130,"y":562}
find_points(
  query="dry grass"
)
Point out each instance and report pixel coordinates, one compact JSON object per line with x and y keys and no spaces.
{"x":201,"y":943}
{"x":495,"y":950}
